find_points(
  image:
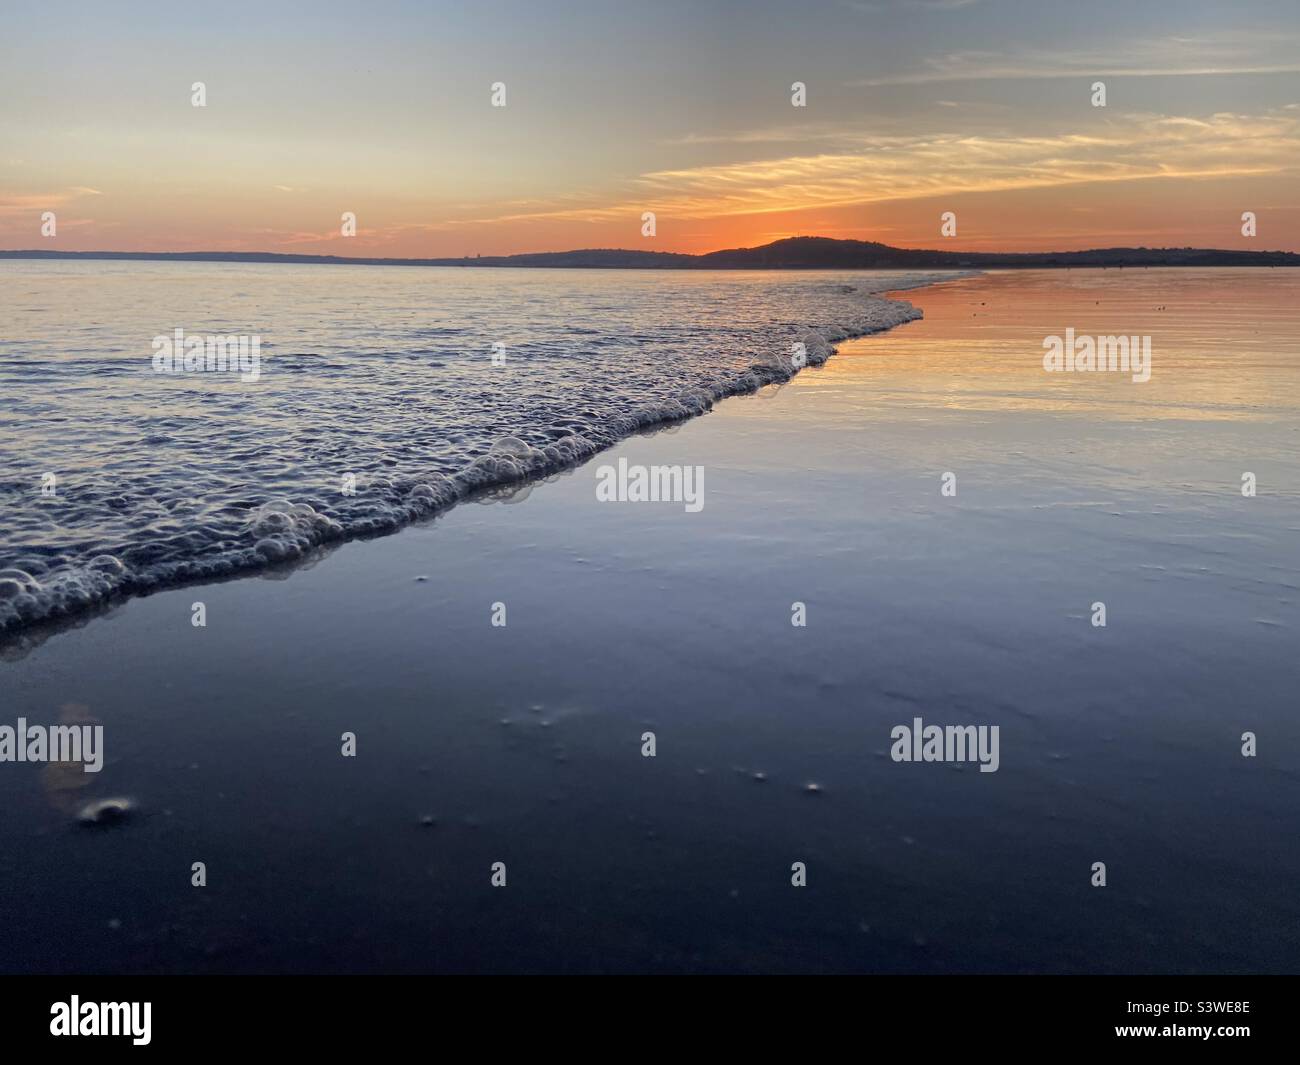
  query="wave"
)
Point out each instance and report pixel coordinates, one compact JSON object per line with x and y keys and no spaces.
{"x":40,"y":585}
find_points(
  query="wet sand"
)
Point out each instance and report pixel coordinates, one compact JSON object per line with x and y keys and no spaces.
{"x":522,"y":744}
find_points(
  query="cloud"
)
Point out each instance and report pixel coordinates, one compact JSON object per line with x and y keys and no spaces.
{"x":1223,"y":54}
{"x":884,"y":168}
{"x":879,"y":7}
{"x":773,"y":135}
{"x":11,"y":205}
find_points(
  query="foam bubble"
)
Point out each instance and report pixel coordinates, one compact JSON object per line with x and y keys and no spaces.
{"x":418,"y":434}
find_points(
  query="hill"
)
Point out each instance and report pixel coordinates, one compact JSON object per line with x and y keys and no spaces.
{"x":793,"y":253}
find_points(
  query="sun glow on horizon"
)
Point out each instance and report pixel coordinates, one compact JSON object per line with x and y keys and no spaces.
{"x":905,"y":117}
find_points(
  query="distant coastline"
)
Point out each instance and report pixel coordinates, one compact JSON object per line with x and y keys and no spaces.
{"x":793,"y":253}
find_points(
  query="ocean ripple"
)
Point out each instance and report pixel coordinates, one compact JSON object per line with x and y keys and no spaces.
{"x":378,"y":402}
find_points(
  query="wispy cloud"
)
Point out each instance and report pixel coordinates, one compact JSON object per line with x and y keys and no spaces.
{"x":792,"y":134}
{"x":879,"y":169}
{"x":879,"y":7}
{"x":28,"y":203}
{"x":10,"y":205}
{"x":1225,"y":54}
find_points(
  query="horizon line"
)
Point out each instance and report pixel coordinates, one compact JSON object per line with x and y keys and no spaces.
{"x":648,"y":253}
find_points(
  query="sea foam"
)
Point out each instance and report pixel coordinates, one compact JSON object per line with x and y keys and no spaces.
{"x":198,"y":480}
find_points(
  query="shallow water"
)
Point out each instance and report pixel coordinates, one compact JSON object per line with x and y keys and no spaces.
{"x":1120,"y":745}
{"x":375,"y":400}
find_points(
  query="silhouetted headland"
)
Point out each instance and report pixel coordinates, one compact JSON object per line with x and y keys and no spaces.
{"x":793,"y":253}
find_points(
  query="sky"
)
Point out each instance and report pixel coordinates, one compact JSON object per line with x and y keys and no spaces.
{"x":682,"y":108}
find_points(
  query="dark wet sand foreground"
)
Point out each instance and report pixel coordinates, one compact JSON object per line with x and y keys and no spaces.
{"x":521,"y":744}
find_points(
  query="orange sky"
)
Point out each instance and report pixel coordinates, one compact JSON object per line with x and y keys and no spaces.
{"x":913,"y":108}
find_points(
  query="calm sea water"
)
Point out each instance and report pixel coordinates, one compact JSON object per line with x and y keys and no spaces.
{"x":376,"y":400}
{"x":522,"y":744}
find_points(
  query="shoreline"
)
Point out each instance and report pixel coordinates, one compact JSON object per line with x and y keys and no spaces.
{"x":791,"y":254}
{"x":510,"y":463}
{"x":522,"y":743}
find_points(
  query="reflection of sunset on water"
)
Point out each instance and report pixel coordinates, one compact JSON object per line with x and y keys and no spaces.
{"x":1223,"y":346}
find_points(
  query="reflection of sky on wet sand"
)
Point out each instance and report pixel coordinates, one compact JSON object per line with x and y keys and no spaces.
{"x":522,"y":743}
{"x":63,"y":781}
{"x":1224,"y":346}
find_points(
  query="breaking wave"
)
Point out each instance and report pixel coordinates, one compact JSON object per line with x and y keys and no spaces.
{"x":416,"y":422}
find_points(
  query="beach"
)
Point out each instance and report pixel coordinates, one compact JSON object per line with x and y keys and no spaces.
{"x":522,"y":743}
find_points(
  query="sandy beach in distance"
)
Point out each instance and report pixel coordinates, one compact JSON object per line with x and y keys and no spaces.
{"x":523,"y":743}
